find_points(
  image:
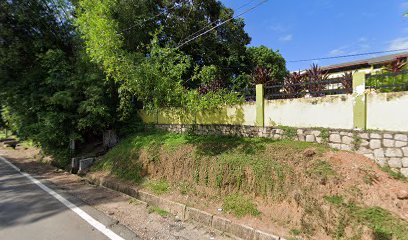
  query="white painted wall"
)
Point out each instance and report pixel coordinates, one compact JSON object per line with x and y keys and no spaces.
{"x":387,"y":111}
{"x":328,"y":112}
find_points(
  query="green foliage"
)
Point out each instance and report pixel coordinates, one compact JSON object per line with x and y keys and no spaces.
{"x":396,"y":83}
{"x":394,"y":174}
{"x":158,"y":186}
{"x":335,"y":199}
{"x":267,"y":58}
{"x":240,"y":206}
{"x":289,"y":132}
{"x":155,"y":79}
{"x":217,"y":162}
{"x":383,"y":223}
{"x":159,"y":211}
{"x":50,"y":92}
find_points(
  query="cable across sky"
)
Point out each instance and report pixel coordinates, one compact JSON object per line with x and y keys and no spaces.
{"x":222,"y":23}
{"x":349,"y":55}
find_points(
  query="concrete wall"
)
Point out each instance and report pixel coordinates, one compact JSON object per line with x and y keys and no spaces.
{"x":244,"y":114}
{"x":328,"y":112}
{"x":387,"y":111}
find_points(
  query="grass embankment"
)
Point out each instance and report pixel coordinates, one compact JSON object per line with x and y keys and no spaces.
{"x":244,"y":173}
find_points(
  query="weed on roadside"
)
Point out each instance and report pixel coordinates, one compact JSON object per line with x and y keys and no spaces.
{"x":159,"y":211}
{"x":394,"y":174}
{"x":240,"y":206}
{"x":157,"y":186}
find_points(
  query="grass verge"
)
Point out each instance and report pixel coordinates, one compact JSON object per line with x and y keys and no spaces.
{"x":240,"y":206}
{"x":159,"y":211}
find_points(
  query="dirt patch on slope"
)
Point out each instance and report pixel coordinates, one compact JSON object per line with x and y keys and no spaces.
{"x":300,"y":189}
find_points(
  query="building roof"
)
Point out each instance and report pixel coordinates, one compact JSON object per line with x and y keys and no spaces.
{"x":371,"y":61}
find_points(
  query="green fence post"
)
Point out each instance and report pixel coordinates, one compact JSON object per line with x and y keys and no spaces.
{"x":260,"y":122}
{"x":359,"y":101}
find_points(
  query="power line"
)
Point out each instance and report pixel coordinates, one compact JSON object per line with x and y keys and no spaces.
{"x":346,"y":56}
{"x":222,"y":23}
{"x":211,"y":23}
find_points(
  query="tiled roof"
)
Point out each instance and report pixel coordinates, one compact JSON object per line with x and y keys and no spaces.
{"x":370,"y":61}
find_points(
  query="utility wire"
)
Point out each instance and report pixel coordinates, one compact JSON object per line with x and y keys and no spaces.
{"x":349,"y":55}
{"x":222,"y":23}
{"x":211,"y":23}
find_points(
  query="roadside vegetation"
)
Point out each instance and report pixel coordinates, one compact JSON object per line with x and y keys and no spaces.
{"x":253,"y":177}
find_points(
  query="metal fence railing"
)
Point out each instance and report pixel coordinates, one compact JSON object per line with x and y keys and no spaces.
{"x":249,"y":94}
{"x":388,"y":82}
{"x":309,"y":88}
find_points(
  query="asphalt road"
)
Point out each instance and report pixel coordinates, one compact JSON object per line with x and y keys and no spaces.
{"x":29,"y":212}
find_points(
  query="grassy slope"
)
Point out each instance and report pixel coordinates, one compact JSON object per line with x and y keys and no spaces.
{"x":240,"y":169}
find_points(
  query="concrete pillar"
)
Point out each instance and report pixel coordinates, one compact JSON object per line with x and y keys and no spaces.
{"x":359,"y":101}
{"x":260,"y":120}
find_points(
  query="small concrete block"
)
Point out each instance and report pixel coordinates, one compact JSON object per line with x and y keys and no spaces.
{"x":375,"y":144}
{"x":259,"y":235}
{"x":174,"y":208}
{"x":363,"y":135}
{"x":370,"y":156}
{"x":335,"y":145}
{"x":388,"y":135}
{"x":395,"y":163}
{"x":400,"y":144}
{"x":393,"y":152}
{"x":381,"y":161}
{"x":241,"y":231}
{"x":401,"y":137}
{"x":319,"y":139}
{"x":404,"y":162}
{"x":405,"y":151}
{"x":363,"y":150}
{"x":346,"y":147}
{"x":364,"y":143}
{"x":316,"y":133}
{"x":404,"y":171}
{"x":279,"y":131}
{"x":149,"y":198}
{"x":299,"y":131}
{"x":85,"y":164}
{"x":335,"y":138}
{"x":301,"y":138}
{"x":347,"y":140}
{"x":375,"y":135}
{"x":310,"y":138}
{"x":220,"y":223}
{"x":198,"y":216}
{"x":379,"y":153}
{"x":388,"y":143}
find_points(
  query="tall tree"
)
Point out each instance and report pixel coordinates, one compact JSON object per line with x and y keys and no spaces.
{"x":50,"y":91}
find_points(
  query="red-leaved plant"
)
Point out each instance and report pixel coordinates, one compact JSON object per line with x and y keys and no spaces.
{"x":397,"y":65}
{"x":293,"y":85}
{"x":314,"y":78}
{"x":347,"y":82}
{"x":261,"y":75}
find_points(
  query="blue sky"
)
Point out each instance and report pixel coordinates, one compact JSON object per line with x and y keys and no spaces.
{"x":323,"y":28}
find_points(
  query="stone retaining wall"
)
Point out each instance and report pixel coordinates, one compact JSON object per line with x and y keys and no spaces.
{"x":385,"y":148}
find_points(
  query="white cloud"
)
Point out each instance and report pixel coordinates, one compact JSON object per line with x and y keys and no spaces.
{"x":335,"y":52}
{"x":398,"y":43}
{"x":286,"y":38}
{"x":358,"y":46}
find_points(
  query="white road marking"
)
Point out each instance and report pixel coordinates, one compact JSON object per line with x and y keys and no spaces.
{"x":102,"y":228}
